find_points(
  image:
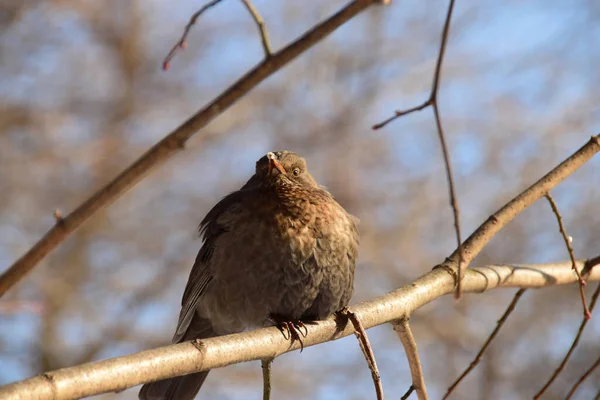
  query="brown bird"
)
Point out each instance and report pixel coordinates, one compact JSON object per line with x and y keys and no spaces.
{"x":280,"y":249}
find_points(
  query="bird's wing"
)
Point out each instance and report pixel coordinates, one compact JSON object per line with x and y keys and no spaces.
{"x":211,"y":228}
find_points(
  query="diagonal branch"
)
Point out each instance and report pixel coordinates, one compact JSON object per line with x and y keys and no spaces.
{"x":563,"y":363}
{"x":482,"y":235}
{"x":175,"y":142}
{"x":432,"y":101}
{"x":365,"y":346}
{"x":119,"y":373}
{"x":262,"y":27}
{"x":181,"y":359}
{"x":402,"y":327}
{"x":583,"y":377}
{"x":563,"y":232}
{"x":487,"y":343}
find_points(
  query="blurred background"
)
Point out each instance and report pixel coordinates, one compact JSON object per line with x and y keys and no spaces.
{"x":82,"y":95}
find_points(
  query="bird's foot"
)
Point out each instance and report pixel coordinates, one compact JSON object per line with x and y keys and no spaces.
{"x":290,"y":329}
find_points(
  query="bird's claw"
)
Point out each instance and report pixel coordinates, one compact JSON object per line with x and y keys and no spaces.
{"x":291,"y":330}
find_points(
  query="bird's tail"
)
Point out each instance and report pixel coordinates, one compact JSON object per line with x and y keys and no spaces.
{"x":182,"y":387}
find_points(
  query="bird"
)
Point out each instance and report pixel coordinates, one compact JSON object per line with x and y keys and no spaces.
{"x":279,"y":250}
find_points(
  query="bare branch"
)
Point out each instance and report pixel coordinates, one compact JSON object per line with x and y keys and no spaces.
{"x":182,"y":40}
{"x":402,"y":327}
{"x":583,"y":378}
{"x":174,"y":142}
{"x":262,"y":27}
{"x":567,"y":241}
{"x":572,"y":348}
{"x":119,"y":373}
{"x":123,"y":372}
{"x":436,"y":76}
{"x":266,"y":372}
{"x":401,"y":113}
{"x":453,"y":201}
{"x":487,"y":343}
{"x":365,"y":346}
{"x":482,"y":235}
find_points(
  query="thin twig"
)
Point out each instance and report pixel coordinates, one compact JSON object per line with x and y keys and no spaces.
{"x":432,"y":101}
{"x":182,"y":40}
{"x":408,"y":393}
{"x":583,"y":378}
{"x":262,"y":27}
{"x":453,"y":201}
{"x":400,"y":113}
{"x":563,"y":363}
{"x":561,"y":227}
{"x":589,"y":264}
{"x":487,"y":343}
{"x":402,"y":328}
{"x":266,"y":373}
{"x":175,"y":142}
{"x":436,"y":76}
{"x":365,"y":346}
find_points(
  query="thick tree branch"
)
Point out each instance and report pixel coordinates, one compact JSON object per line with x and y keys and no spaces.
{"x":181,"y":359}
{"x":120,"y":373}
{"x":174,"y":142}
{"x":482,"y":235}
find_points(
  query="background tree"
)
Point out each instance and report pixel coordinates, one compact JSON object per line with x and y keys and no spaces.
{"x":83,"y":96}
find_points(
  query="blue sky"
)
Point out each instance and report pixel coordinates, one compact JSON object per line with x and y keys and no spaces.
{"x":495,"y":44}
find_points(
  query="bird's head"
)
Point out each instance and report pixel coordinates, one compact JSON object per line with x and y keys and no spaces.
{"x":284,"y":167}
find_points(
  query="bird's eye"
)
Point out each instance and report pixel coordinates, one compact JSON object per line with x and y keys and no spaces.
{"x":296,"y":172}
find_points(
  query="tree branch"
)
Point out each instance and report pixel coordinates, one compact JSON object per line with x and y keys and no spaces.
{"x":482,"y":235}
{"x":180,"y":359}
{"x":365,"y":346}
{"x":563,"y":363}
{"x":402,"y":327}
{"x":583,"y":377}
{"x":175,"y":142}
{"x":262,"y":27}
{"x":433,"y":102}
{"x":266,"y":373}
{"x":487,"y":343}
{"x":119,"y":373}
{"x":181,"y":43}
{"x":567,"y":240}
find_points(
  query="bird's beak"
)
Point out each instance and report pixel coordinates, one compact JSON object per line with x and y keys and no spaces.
{"x":274,"y":165}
